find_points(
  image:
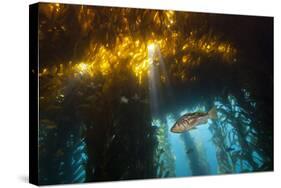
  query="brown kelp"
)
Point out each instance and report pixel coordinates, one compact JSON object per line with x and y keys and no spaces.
{"x":236,"y":138}
{"x":99,"y":67}
{"x":163,"y":157}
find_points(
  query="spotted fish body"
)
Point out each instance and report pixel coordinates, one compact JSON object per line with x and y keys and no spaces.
{"x":191,"y":120}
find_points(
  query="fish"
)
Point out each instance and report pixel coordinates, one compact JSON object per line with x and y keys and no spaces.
{"x":124,"y":100}
{"x":161,"y":151}
{"x":229,"y":149}
{"x":190,"y":150}
{"x":190,"y":121}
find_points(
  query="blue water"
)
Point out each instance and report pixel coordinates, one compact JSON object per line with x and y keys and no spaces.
{"x":216,"y":147}
{"x":202,"y":137}
{"x":202,"y":151}
{"x":177,"y":147}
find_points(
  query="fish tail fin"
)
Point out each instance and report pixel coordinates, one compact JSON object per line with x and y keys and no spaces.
{"x":213,"y":113}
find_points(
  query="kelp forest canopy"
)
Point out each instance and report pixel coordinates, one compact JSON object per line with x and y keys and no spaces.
{"x":95,"y":80}
{"x":99,"y":41}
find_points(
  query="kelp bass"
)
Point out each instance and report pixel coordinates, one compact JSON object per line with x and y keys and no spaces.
{"x":191,"y":120}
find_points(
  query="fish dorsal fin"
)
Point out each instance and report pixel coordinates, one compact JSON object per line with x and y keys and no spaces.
{"x":213,"y":113}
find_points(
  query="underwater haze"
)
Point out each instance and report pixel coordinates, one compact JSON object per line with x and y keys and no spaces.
{"x":114,"y":81}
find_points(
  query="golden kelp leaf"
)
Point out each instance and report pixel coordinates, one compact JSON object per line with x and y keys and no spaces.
{"x":184,"y":47}
{"x":126,"y":43}
{"x":184,"y":58}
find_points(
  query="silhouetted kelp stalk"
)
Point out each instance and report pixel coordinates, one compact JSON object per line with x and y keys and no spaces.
{"x":163,"y":158}
{"x":194,"y":149}
{"x":237,"y":149}
{"x":99,"y":80}
{"x":197,"y":161}
{"x":61,"y":159}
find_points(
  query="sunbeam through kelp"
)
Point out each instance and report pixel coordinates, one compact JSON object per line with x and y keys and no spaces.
{"x":135,"y":93}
